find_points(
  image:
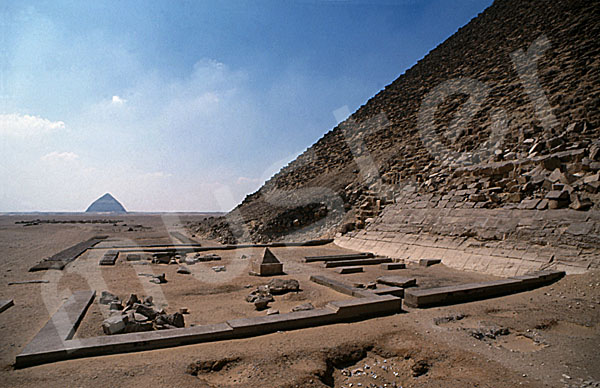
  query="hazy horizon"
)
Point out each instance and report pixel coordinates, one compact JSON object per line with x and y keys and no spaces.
{"x":188,"y":107}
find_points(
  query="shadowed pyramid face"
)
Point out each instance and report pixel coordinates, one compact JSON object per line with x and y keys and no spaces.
{"x":106,"y":204}
{"x":269,"y":257}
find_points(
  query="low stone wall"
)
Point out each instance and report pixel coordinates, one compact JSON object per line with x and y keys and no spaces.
{"x":502,"y":242}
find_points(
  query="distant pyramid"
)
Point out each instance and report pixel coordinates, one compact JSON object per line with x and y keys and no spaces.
{"x":106,"y":204}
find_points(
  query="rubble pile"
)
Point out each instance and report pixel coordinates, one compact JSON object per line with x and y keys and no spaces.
{"x":263,"y":294}
{"x":137,"y":315}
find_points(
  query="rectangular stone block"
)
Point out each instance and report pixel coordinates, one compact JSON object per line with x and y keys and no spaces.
{"x":397,"y":281}
{"x":311,"y":259}
{"x":345,"y":263}
{"x":476,"y":291}
{"x":123,"y":343}
{"x":365,"y":307}
{"x":392,"y":266}
{"x":461,"y":293}
{"x":5,"y":304}
{"x":334,"y":284}
{"x":429,"y":262}
{"x":244,"y":327}
{"x":348,"y":270}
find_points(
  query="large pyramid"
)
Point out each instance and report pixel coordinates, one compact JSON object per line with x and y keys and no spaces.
{"x":493,"y":136}
{"x":106,"y":204}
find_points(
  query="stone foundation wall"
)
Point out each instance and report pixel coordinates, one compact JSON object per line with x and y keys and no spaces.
{"x":500,"y":242}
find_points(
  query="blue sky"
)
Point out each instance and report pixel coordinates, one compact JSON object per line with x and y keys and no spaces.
{"x":188,"y":105}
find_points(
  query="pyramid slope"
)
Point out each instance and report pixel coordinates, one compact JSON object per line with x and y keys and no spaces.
{"x":386,"y":127}
{"x":106,"y":204}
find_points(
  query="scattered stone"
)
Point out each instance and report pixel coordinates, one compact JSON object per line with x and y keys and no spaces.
{"x":136,"y":327}
{"x":162,"y":258}
{"x":260,"y":293}
{"x":529,"y":204}
{"x":146,"y":311}
{"x":183,"y":270}
{"x":557,"y":195}
{"x":208,"y":257}
{"x":176,"y":319}
{"x":219,"y":268}
{"x":159,"y":279}
{"x":190,"y":261}
{"x":261,"y":303}
{"x":106,"y":298}
{"x":115,"y":306}
{"x":304,"y":307}
{"x":451,"y":318}
{"x":582,"y":204}
{"x":283,"y":286}
{"x":183,"y":310}
{"x":489,"y":332}
{"x":114,"y":325}
{"x":133,"y":299}
{"x":272,"y":312}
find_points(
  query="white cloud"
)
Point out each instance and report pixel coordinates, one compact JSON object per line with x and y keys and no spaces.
{"x":60,"y":156}
{"x":25,"y":125}
{"x":116,"y":100}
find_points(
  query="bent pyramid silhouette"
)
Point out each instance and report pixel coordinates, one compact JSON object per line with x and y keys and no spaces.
{"x":106,"y":204}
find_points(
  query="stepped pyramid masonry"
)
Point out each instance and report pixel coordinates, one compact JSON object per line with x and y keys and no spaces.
{"x":106,"y":204}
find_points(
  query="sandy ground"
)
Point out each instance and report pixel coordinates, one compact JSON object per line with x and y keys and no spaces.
{"x":550,"y":336}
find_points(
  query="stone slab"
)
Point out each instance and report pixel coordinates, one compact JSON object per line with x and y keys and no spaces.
{"x":311,"y":259}
{"x":62,"y":325}
{"x":392,"y":266}
{"x":334,"y":284}
{"x":348,"y":270}
{"x":109,"y":258}
{"x":346,"y":263}
{"x":6,"y":304}
{"x":62,"y":258}
{"x":123,"y":343}
{"x":185,"y":239}
{"x":459,"y":293}
{"x":476,"y":291}
{"x":253,"y":326}
{"x":429,"y":262}
{"x":366,"y":307}
{"x":397,"y":281}
{"x":388,"y":290}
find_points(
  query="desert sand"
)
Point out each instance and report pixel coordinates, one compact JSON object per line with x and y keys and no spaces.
{"x":545,"y":337}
